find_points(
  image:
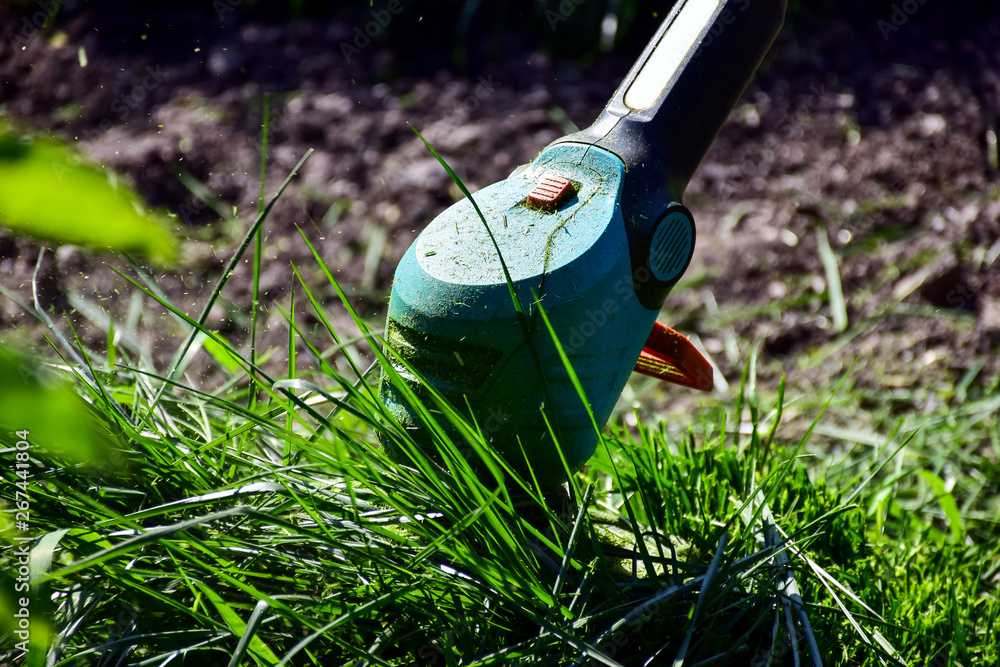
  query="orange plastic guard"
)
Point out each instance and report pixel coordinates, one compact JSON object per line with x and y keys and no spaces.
{"x":670,"y":356}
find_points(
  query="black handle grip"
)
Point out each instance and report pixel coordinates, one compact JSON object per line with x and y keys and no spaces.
{"x":669,"y":109}
{"x":682,"y":88}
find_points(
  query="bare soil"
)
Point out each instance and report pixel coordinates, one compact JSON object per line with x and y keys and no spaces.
{"x":881,"y":137}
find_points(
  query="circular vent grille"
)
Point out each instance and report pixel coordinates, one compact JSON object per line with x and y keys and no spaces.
{"x":672,"y":246}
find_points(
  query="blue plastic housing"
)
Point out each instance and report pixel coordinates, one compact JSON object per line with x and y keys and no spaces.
{"x":451,"y":316}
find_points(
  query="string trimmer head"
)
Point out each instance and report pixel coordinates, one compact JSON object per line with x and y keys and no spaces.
{"x":593,"y":232}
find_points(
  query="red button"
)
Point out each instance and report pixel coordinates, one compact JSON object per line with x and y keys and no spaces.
{"x":551,"y":193}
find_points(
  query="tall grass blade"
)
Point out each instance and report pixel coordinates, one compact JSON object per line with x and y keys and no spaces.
{"x":227,"y":274}
{"x":259,"y":651}
{"x":522,"y":315}
{"x":257,"y":246}
{"x":256,"y":617}
{"x":835,"y":291}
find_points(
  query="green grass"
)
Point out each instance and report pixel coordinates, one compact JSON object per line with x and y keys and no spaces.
{"x":260,"y":521}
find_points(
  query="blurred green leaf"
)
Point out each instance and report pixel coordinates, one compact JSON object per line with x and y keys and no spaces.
{"x":50,"y":194}
{"x":948,"y":504}
{"x":56,"y":418}
{"x":221,"y":354}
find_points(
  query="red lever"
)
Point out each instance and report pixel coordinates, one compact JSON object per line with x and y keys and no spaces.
{"x":670,"y":356}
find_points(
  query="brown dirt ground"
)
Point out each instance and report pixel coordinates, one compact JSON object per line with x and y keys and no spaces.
{"x":883,"y":143}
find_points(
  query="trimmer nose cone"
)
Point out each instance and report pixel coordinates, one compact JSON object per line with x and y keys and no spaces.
{"x":452,"y":319}
{"x":592,"y":231}
{"x":670,"y":356}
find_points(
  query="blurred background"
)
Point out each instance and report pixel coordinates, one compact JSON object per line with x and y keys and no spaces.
{"x":848,"y":215}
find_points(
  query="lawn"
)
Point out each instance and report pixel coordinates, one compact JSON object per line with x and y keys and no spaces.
{"x":241,"y":496}
{"x":261,"y":520}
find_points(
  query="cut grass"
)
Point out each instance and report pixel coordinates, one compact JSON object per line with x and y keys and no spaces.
{"x":237,"y":528}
